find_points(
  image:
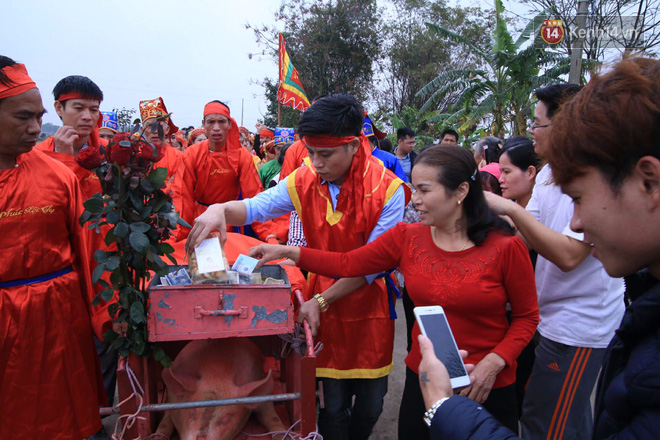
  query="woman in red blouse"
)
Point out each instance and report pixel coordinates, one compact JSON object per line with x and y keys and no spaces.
{"x":461,"y":256}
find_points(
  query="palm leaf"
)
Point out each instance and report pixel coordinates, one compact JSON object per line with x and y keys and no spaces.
{"x":446,"y":33}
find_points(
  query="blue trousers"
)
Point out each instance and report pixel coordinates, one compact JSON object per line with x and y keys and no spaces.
{"x":351,"y":407}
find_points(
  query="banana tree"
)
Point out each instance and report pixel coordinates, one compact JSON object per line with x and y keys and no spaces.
{"x":500,"y":92}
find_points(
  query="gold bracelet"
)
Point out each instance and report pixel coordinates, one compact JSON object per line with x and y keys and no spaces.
{"x":323,"y":304}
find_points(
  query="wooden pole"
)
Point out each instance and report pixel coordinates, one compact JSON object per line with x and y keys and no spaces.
{"x":575,"y":74}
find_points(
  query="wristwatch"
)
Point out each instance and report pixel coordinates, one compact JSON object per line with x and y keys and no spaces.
{"x":428,"y":415}
{"x":323,"y":304}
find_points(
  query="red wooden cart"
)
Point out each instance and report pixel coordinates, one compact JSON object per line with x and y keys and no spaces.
{"x":179,"y":314}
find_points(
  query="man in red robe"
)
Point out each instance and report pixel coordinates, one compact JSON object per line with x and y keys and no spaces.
{"x":216,"y":170}
{"x":344,"y":200}
{"x":50,"y":384}
{"x":77,"y":101}
{"x":149,"y":111}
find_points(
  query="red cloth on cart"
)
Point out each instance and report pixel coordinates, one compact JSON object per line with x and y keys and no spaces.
{"x":356,"y":331}
{"x":50,"y":383}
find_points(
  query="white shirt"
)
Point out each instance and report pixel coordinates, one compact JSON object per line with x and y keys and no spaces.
{"x":580,"y":308}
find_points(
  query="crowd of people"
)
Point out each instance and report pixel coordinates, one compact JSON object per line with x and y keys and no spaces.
{"x":523,"y":241}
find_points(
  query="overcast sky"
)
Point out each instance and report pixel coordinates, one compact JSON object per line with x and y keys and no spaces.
{"x":187,"y":52}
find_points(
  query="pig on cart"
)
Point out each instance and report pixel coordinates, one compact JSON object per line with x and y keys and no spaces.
{"x":217,"y":369}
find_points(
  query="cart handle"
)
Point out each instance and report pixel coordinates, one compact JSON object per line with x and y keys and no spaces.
{"x":308,"y":330}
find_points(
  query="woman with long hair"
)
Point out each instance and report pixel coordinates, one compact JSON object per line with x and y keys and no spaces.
{"x":461,"y":256}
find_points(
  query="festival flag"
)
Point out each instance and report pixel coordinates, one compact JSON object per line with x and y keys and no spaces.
{"x":290,"y":90}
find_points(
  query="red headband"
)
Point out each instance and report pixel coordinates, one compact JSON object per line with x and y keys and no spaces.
{"x":75,"y":95}
{"x":326,"y":140}
{"x":213,"y":108}
{"x":20,"y":81}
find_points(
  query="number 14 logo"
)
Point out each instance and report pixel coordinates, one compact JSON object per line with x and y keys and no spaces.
{"x":552,"y":31}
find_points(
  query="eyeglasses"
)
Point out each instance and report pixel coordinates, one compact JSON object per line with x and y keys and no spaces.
{"x":533,"y":126}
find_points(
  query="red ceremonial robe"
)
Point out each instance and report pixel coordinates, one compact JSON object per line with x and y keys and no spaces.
{"x":171,"y":161}
{"x":50,"y":384}
{"x":356,"y":331}
{"x":90,"y":185}
{"x":206,"y":177}
{"x":293,"y":158}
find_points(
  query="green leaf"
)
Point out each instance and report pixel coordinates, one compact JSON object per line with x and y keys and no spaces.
{"x":96,"y":300}
{"x":165,"y":248}
{"x":98,"y":271}
{"x":121,"y":230}
{"x":157,"y":202}
{"x":113,"y":309}
{"x":166,"y":362}
{"x":117,"y":343}
{"x":157,"y":177}
{"x":146,"y":186}
{"x":101,"y":256}
{"x":182,"y":222}
{"x":112,"y":217}
{"x":140,"y":227}
{"x":84,"y":217}
{"x":110,"y":237}
{"x":110,"y":335}
{"x":112,"y":263}
{"x":146,"y":212}
{"x":106,"y":294}
{"x":139,"y":241}
{"x":137,"y":312}
{"x":93,"y":205}
{"x":171,"y":258}
{"x":159,"y":354}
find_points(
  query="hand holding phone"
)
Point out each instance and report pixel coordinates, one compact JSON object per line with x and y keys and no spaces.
{"x":433,"y":324}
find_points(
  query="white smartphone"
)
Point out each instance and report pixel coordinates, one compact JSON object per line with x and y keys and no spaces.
{"x":433,"y":324}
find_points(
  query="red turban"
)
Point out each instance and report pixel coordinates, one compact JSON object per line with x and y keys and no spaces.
{"x":19,"y":79}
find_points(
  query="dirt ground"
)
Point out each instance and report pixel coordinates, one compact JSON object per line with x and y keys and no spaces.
{"x":386,"y":428}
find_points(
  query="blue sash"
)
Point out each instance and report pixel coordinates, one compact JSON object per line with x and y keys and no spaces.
{"x":39,"y":279}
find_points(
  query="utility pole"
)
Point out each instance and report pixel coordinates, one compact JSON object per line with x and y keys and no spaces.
{"x":575,"y":74}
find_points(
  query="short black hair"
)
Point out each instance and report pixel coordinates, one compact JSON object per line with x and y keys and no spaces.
{"x":285,"y":147}
{"x":553,"y":96}
{"x":339,"y":114}
{"x":5,"y":62}
{"x":449,"y":131}
{"x":385,"y":145}
{"x":80,"y":84}
{"x":403,"y":133}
